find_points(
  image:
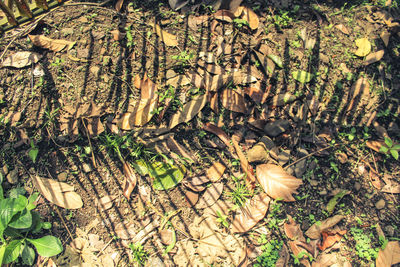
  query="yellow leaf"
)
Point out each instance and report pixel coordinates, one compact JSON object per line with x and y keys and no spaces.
{"x":168,"y":38}
{"x":364,"y":47}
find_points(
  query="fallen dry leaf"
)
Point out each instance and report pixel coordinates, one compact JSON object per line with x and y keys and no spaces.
{"x":374,"y":57}
{"x":276,"y":182}
{"x":117,"y":35}
{"x":21,"y":59}
{"x":251,"y":213}
{"x":329,"y":239}
{"x":55,"y":45}
{"x":314,"y":232}
{"x":385,"y":36}
{"x":168,"y":38}
{"x":12,"y":117}
{"x":325,"y":259}
{"x":106,"y":202}
{"x":210,"y":196}
{"x":209,"y":127}
{"x":166,"y":236}
{"x":389,"y":256}
{"x":189,"y":110}
{"x":194,"y":21}
{"x":215,"y":172}
{"x":375,"y":145}
{"x":232,"y":100}
{"x":191,"y":198}
{"x":282,"y":99}
{"x":224,"y":15}
{"x":359,"y":88}
{"x":257,"y":94}
{"x":251,"y":17}
{"x":293,"y":230}
{"x":118,"y":5}
{"x":342,"y":28}
{"x":130,"y":179}
{"x":58,"y":193}
{"x":244,"y":164}
{"x":364,"y":47}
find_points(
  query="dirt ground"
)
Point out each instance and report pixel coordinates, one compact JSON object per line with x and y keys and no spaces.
{"x":319,"y":130}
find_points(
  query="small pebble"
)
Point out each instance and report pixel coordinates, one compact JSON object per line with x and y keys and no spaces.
{"x":380,"y":204}
{"x":357,"y":186}
{"x":12,"y":176}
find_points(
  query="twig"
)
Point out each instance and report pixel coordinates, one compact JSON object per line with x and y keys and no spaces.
{"x":106,"y":245}
{"x":309,"y":155}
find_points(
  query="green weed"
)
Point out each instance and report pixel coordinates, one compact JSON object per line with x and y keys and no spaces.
{"x":240,"y":193}
{"x":390,"y":148}
{"x":364,"y":244}
{"x":270,"y":252}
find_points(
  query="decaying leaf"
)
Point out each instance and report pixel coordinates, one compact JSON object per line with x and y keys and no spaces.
{"x":375,"y":145}
{"x":215,"y":172}
{"x":364,"y":47}
{"x":189,"y":110}
{"x":314,"y":232}
{"x":256,"y":94}
{"x":385,"y":37}
{"x":117,"y":35}
{"x":232,"y":100}
{"x":342,"y":28}
{"x":224,"y":15}
{"x":168,"y":38}
{"x":166,"y":236}
{"x":282,"y":99}
{"x":21,"y":59}
{"x":209,"y":127}
{"x":55,"y":45}
{"x":325,"y":259}
{"x":191,"y":198}
{"x":210,"y":196}
{"x":118,"y":5}
{"x":276,"y":182}
{"x":329,"y":239}
{"x":374,"y":57}
{"x":389,"y":256}
{"x":267,"y":64}
{"x":302,"y":76}
{"x":250,"y":214}
{"x":359,"y":88}
{"x":58,"y":193}
{"x":12,"y":117}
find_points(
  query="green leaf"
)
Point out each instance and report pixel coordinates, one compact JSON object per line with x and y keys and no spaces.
{"x":302,"y":76}
{"x":6,"y":213}
{"x":31,"y":201}
{"x":383,"y":149}
{"x":395,"y":154}
{"x":388,"y":142}
{"x":16,"y":192}
{"x":2,"y":251}
{"x":141,"y":167}
{"x":165,"y":176}
{"x":33,"y":152}
{"x":22,"y":220}
{"x":396,"y":147}
{"x":277,"y":60}
{"x":332,"y":203}
{"x":28,"y":255}
{"x":12,"y":251}
{"x":47,"y":246}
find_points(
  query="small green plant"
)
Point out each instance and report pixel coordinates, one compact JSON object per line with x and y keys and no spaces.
{"x":139,"y":254}
{"x":390,"y":148}
{"x":240,"y":193}
{"x":33,"y":152}
{"x":275,"y":211}
{"x":298,"y":257}
{"x":364,"y":244}
{"x":183,"y":59}
{"x":222,"y":219}
{"x":282,"y":20}
{"x":270,"y":252}
{"x":129,"y":36}
{"x":239,"y":23}
{"x":18,"y":223}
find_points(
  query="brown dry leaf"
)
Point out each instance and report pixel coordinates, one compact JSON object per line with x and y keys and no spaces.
{"x":293,"y":230}
{"x":374,"y":57}
{"x":251,"y":17}
{"x":324,"y":260}
{"x":94,"y":126}
{"x":329,"y":239}
{"x":375,"y":145}
{"x":130,"y":179}
{"x":106,"y":202}
{"x":314,"y":232}
{"x":191,"y":198}
{"x":189,"y":110}
{"x":284,"y":256}
{"x":255,"y":93}
{"x":166,"y":236}
{"x":249,"y":215}
{"x":55,"y":45}
{"x":276,"y":182}
{"x":389,"y":256}
{"x":238,"y":12}
{"x":359,"y":88}
{"x":224,"y":15}
{"x":215,"y":172}
{"x":391,"y":187}
{"x":282,"y":99}
{"x":12,"y":117}
{"x":58,"y":193}
{"x":118,"y":5}
{"x":267,"y":64}
{"x":21,"y":59}
{"x":209,"y":127}
{"x":244,"y":164}
{"x":342,"y":28}
{"x":385,"y":36}
{"x":216,"y":82}
{"x":210,"y":196}
{"x":298,"y":248}
{"x":194,"y":22}
{"x":233,"y":101}
{"x":117,"y":35}
{"x":168,"y":38}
